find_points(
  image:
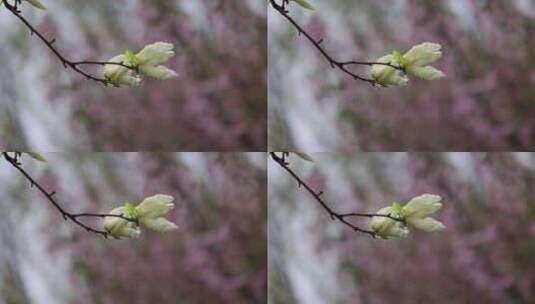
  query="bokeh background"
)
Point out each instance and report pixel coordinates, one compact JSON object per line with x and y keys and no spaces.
{"x":217,"y":255}
{"x":486,"y":254}
{"x":485,"y":103}
{"x":218,"y":102}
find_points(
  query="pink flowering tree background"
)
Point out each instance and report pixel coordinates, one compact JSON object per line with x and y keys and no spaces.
{"x":486,"y":253}
{"x":217,"y":255}
{"x":485,"y":102}
{"x":218,"y":102}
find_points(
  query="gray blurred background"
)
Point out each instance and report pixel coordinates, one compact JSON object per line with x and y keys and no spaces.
{"x":217,"y":255}
{"x":218,"y":102}
{"x":484,"y":104}
{"x":485,"y":255}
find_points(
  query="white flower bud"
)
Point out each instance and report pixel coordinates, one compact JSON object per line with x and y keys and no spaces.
{"x":119,"y":75}
{"x":423,"y":54}
{"x":151,"y":211}
{"x":426,"y":224}
{"x":152,"y":56}
{"x":34,"y":3}
{"x":417,"y":210}
{"x":418,"y":59}
{"x":146,"y":62}
{"x":386,"y":227}
{"x":423,"y":205}
{"x":304,"y":3}
{"x":304,"y":156}
{"x":36,"y":156}
{"x":387,"y":75}
{"x":415,"y":62}
{"x":158,"y":224}
{"x":159,"y":72}
{"x":426,"y":73}
{"x":155,"y":53}
{"x":415,"y":214}
{"x":155,"y":206}
{"x":120,"y":228}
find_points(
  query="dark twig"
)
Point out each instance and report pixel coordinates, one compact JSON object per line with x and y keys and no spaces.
{"x":74,"y":65}
{"x":317,"y":43}
{"x":49,"y":195}
{"x":342,"y":217}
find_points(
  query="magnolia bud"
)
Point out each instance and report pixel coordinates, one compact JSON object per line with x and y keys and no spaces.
{"x":418,"y":209}
{"x":148,"y":213}
{"x":415,"y":62}
{"x":35,"y":3}
{"x":151,"y":211}
{"x":418,"y":59}
{"x":386,"y":227}
{"x":155,"y":206}
{"x":159,"y":72}
{"x":152,"y":56}
{"x":158,"y":224}
{"x":147,"y":62}
{"x":423,"y":205}
{"x":415,"y":214}
{"x":118,"y":227}
{"x":426,"y":224}
{"x":119,"y":75}
{"x":304,"y":3}
{"x":304,"y":156}
{"x":386,"y":75}
{"x":36,"y":156}
{"x":423,"y":54}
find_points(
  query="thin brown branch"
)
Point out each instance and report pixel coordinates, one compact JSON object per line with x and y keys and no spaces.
{"x":49,"y":195}
{"x":343,"y":66}
{"x":74,"y":65}
{"x":317,"y":195}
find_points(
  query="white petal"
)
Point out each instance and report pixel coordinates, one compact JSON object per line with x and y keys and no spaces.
{"x":427,"y":72}
{"x":120,"y":75}
{"x":304,"y":156}
{"x":379,"y":223}
{"x":36,"y":156}
{"x":379,"y":72}
{"x":156,"y":53}
{"x":155,"y":206}
{"x":130,"y":231}
{"x":131,"y":80}
{"x":423,"y":54}
{"x":112,"y":71}
{"x":422,"y":206}
{"x":398,"y":231}
{"x":386,"y":227}
{"x":159,"y":224}
{"x":386,"y":75}
{"x":118,"y":227}
{"x":36,"y":4}
{"x":397,"y":79}
{"x":158,"y":72}
{"x":427,"y":224}
{"x":304,"y":4}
